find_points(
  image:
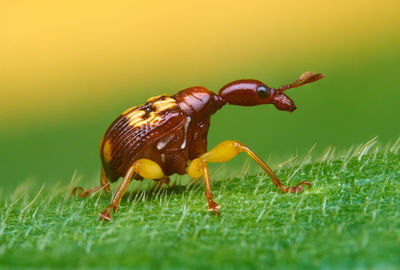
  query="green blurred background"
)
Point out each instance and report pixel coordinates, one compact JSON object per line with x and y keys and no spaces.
{"x":68,"y":69}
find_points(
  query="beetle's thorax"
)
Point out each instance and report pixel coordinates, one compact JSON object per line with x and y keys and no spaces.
{"x":198,"y":102}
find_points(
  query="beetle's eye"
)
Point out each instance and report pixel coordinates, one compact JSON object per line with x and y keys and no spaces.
{"x":263,"y":91}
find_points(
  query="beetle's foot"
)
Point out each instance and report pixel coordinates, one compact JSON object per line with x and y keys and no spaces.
{"x":105,"y":215}
{"x":296,"y":189}
{"x":213,"y":206}
{"x":85,"y":192}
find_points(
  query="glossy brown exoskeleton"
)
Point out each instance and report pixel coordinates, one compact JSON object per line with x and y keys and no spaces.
{"x":168,"y":135}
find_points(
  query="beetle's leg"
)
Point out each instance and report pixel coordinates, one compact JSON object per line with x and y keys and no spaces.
{"x":105,"y":215}
{"x":104,"y":185}
{"x":197,"y":168}
{"x":165,"y":180}
{"x":229,"y":149}
{"x":144,"y":167}
{"x":294,"y":189}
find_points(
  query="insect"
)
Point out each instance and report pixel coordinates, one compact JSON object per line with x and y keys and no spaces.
{"x":168,"y":135}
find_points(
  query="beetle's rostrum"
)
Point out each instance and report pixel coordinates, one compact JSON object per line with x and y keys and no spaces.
{"x":168,"y":135}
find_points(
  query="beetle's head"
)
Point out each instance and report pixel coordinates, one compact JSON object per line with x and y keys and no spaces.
{"x":253,"y":92}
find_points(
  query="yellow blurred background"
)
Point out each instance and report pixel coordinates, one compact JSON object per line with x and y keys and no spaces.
{"x":67,"y":68}
{"x":57,"y":54}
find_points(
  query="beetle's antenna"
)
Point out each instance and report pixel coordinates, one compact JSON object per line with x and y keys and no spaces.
{"x":306,"y":77}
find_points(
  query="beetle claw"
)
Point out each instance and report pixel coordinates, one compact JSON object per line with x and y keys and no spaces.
{"x":83,"y":193}
{"x":213,"y":206}
{"x":299,"y":187}
{"x":105,"y":215}
{"x":75,"y":189}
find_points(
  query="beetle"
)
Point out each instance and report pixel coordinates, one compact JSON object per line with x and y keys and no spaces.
{"x":168,"y":135}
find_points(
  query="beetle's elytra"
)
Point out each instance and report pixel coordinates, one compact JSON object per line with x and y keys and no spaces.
{"x":168,"y":135}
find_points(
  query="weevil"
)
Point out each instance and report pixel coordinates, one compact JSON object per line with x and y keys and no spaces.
{"x":168,"y":135}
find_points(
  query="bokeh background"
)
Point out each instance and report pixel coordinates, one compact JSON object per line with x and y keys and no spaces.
{"x":67,"y":69}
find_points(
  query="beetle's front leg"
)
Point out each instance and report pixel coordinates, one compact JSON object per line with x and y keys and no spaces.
{"x":196,"y":169}
{"x":144,"y":167}
{"x":293,"y":189}
{"x":227,"y":150}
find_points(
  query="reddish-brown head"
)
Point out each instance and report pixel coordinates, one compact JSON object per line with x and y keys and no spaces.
{"x":253,"y":92}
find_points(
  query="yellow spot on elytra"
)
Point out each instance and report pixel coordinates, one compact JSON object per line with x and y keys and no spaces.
{"x":135,"y":117}
{"x":152,"y":120}
{"x":154,"y":98}
{"x":164,"y":104}
{"x":107,"y":150}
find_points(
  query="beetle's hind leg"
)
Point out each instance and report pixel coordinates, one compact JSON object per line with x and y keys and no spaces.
{"x":104,"y":185}
{"x":144,"y":167}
